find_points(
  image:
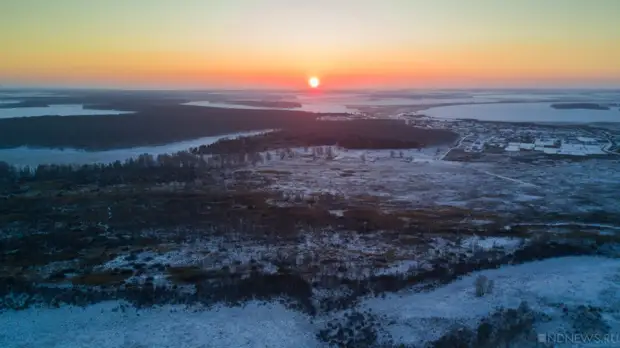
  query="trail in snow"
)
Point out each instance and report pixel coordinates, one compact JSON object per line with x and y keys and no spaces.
{"x":509,"y":179}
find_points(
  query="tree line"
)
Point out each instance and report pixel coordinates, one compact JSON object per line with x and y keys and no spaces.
{"x":182,"y":166}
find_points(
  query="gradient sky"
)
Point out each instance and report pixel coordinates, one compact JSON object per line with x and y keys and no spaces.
{"x":280,"y":43}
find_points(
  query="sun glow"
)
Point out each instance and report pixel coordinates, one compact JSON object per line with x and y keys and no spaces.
{"x":314,"y":82}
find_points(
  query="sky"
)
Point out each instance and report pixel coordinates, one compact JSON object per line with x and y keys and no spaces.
{"x":281,"y":43}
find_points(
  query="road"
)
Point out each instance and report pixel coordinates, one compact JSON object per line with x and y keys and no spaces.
{"x":452,"y":148}
{"x":608,"y":146}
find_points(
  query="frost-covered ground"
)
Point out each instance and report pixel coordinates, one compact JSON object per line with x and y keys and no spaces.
{"x":554,"y":287}
{"x":419,"y":179}
{"x":547,"y":286}
{"x":346,"y":255}
{"x":114,"y":324}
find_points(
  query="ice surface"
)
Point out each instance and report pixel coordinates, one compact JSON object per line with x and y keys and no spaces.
{"x":23,"y":156}
{"x":523,"y":112}
{"x":56,"y":110}
{"x":320,"y":107}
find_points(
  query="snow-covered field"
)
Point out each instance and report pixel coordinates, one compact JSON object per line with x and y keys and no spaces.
{"x":419,"y":179}
{"x":114,"y":324}
{"x":547,"y":286}
{"x":552,"y":287}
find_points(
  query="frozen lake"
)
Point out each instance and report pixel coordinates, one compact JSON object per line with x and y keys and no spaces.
{"x":25,"y":156}
{"x":353,"y":102}
{"x":56,"y":110}
{"x":523,"y":112}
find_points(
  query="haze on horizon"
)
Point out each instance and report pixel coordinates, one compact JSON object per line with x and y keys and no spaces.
{"x":280,"y":43}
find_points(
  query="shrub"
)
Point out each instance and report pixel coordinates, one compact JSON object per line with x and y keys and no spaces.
{"x":483,"y":286}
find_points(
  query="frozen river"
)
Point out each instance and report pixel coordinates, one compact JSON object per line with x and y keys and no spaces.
{"x":54,"y":110}
{"x":25,"y":156}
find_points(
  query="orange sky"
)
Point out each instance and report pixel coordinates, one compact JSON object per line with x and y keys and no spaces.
{"x":280,"y":43}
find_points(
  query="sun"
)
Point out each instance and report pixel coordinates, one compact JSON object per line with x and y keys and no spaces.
{"x":314,"y":82}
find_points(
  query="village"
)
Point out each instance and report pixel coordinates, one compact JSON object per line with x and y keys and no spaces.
{"x":515,"y":139}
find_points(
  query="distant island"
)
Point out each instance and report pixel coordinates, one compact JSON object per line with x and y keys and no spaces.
{"x":268,"y":103}
{"x":579,"y":106}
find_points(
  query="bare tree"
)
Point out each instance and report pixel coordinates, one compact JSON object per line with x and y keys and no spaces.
{"x":483,"y":286}
{"x":330,"y":153}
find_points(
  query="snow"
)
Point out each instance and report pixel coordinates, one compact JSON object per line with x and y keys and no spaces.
{"x":257,"y":324}
{"x":337,"y":212}
{"x":488,"y":243}
{"x":400,"y":267}
{"x":544,"y":142}
{"x":526,"y":146}
{"x":580,"y":149}
{"x":410,"y":317}
{"x":587,"y":139}
{"x":419,"y":180}
{"x":424,"y":316}
{"x":569,"y":223}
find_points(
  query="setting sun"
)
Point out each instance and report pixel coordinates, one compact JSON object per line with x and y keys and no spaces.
{"x":314,"y":82}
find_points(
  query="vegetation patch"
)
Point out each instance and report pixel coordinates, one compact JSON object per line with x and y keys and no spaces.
{"x":357,"y":134}
{"x":108,"y":278}
{"x":187,"y":275}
